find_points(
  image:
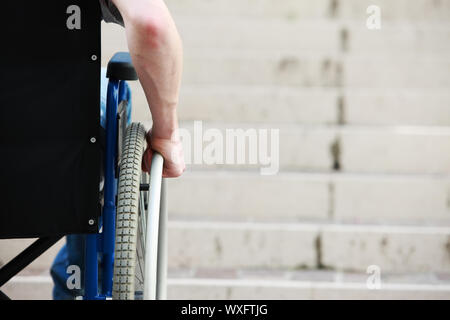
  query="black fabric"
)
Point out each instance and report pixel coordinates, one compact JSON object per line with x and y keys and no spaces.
{"x":110,"y":12}
{"x":49,"y":111}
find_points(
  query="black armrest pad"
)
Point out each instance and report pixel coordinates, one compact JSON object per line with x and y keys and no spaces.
{"x":120,"y":67}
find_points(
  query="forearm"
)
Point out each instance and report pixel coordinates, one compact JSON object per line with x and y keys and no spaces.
{"x":156,"y":50}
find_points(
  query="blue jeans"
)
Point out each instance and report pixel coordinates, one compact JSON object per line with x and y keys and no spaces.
{"x":72,"y":253}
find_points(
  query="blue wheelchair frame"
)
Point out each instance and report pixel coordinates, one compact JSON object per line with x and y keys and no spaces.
{"x":120,"y":69}
{"x":103,"y":242}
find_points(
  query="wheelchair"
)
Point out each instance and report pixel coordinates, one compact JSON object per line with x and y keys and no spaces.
{"x":61,"y":172}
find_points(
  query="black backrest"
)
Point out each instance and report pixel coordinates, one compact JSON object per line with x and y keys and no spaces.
{"x":49,"y":117}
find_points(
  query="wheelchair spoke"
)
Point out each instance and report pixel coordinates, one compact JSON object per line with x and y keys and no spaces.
{"x":143,"y":222}
{"x":141,"y":281}
{"x":140,"y":249}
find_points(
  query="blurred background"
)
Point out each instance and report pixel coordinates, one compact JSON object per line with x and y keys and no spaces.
{"x":360,"y":207}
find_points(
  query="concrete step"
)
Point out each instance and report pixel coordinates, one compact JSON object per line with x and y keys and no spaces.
{"x":269,"y":284}
{"x":295,"y":246}
{"x":308,"y":246}
{"x":31,"y":287}
{"x":256,"y":104}
{"x":282,"y":104}
{"x":310,"y":106}
{"x":257,"y":34}
{"x":290,"y":9}
{"x":10,"y":248}
{"x":217,"y":67}
{"x":413,"y":11}
{"x":398,"y":149}
{"x":395,"y":72}
{"x":298,"y":290}
{"x":396,"y":107}
{"x":391,"y":248}
{"x":395,"y":38}
{"x":315,"y":284}
{"x":400,"y":10}
{"x":328,"y":36}
{"x":241,"y":245}
{"x":362,"y":149}
{"x":299,"y":197}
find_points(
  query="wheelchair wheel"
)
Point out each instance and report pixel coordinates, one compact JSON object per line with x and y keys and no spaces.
{"x":136,"y":246}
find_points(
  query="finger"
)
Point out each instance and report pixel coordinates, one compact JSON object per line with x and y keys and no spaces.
{"x":147,"y":160}
{"x":148,"y":136}
{"x":148,"y":153}
{"x":143,"y":165}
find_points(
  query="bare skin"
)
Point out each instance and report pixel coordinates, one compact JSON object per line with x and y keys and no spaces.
{"x":157,"y":54}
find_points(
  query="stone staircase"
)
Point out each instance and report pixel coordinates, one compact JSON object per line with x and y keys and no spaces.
{"x":364,"y":154}
{"x":364,"y":150}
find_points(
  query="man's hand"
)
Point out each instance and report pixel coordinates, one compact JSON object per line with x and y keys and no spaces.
{"x":170,"y":149}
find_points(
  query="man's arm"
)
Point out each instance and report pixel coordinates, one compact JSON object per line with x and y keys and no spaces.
{"x":156,"y":51}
